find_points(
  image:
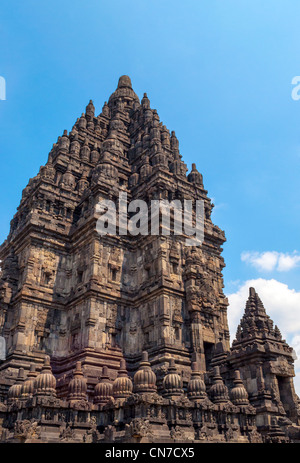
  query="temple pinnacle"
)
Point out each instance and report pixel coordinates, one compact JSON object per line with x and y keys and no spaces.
{"x":124,"y":81}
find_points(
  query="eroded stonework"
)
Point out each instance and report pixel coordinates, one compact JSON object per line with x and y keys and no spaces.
{"x":146,"y":314}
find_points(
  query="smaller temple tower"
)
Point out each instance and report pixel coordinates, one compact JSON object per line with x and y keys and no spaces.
{"x":266,"y":364}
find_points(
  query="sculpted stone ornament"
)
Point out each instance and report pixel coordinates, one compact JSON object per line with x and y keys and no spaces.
{"x":181,"y":434}
{"x":92,"y":434}
{"x":27,"y":429}
{"x":138,"y":428}
{"x":67,"y":433}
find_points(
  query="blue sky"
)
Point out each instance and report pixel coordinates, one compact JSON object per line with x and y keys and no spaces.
{"x":219,"y":73}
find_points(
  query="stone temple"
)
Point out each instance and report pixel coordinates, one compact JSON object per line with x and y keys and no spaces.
{"x":125,"y":338}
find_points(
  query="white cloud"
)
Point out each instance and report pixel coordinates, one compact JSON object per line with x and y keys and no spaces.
{"x":271,"y":260}
{"x":261,"y":261}
{"x":282,"y":304}
{"x":287,"y":262}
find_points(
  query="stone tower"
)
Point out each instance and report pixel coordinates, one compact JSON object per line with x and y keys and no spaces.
{"x":266,"y":364}
{"x":75,"y":295}
{"x":146,"y":310}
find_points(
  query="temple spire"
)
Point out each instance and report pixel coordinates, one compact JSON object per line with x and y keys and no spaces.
{"x":254,"y":304}
{"x":124,"y":81}
{"x":124,"y":96}
{"x":255,"y":321}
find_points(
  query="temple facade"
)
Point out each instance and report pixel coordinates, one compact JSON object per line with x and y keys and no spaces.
{"x":124,"y":338}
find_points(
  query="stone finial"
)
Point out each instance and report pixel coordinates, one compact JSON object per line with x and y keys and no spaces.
{"x":45,"y":383}
{"x":172,"y":383}
{"x":90,"y":110}
{"x":28,"y":387}
{"x":254,"y":303}
{"x":48,"y":171}
{"x":277,"y":332}
{"x":77,"y":385}
{"x":196,"y":386}
{"x":124,"y":81}
{"x":238,"y":394}
{"x":104,"y":373}
{"x":103,"y":389}
{"x":82,"y":122}
{"x":83,"y":182}
{"x":144,"y":379}
{"x":105,"y":110}
{"x":14,"y":392}
{"x":123,"y":98}
{"x":68,"y":179}
{"x":252,"y":292}
{"x":122,"y":385}
{"x":85,"y":151}
{"x":145,"y":102}
{"x":195,"y":176}
{"x":218,"y":391}
{"x":64,"y":142}
{"x":95,"y":154}
{"x":174,"y":141}
{"x":75,"y":146}
{"x":21,"y":376}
